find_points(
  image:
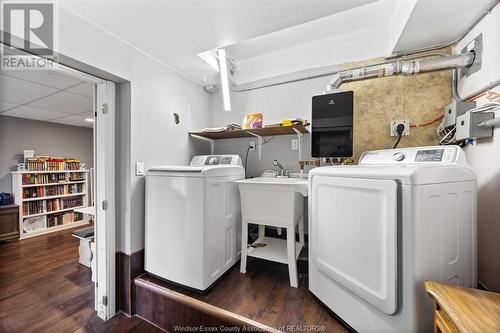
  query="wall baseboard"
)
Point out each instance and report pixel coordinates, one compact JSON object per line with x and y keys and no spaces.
{"x":128,"y":267}
{"x":482,"y":286}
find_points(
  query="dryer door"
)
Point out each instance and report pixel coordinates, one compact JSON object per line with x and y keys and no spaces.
{"x":354,"y":236}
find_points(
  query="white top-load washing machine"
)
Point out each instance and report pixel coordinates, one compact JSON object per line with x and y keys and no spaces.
{"x":193,"y":223}
{"x":378,"y":230}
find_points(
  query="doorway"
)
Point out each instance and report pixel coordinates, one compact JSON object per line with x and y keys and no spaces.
{"x":63,"y":97}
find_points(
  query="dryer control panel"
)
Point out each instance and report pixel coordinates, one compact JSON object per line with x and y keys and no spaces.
{"x":208,"y":160}
{"x":417,"y":155}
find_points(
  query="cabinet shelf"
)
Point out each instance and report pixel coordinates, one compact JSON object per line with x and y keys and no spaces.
{"x":47,"y":230}
{"x":52,"y":212}
{"x":248,"y":133}
{"x":53,"y":184}
{"x":52,"y":171}
{"x":54,"y":196}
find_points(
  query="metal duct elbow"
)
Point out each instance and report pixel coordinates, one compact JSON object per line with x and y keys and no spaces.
{"x":336,"y":81}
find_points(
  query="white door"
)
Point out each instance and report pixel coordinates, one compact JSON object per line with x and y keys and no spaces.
{"x":354,"y":236}
{"x":104,"y":143}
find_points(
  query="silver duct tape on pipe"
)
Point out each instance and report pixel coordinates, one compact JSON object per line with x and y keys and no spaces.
{"x":401,"y":67}
{"x":450,"y":62}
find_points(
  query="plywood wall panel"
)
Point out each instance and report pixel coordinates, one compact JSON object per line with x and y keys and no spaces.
{"x":419,"y":98}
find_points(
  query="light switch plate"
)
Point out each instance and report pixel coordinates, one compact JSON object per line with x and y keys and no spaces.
{"x":139,"y":168}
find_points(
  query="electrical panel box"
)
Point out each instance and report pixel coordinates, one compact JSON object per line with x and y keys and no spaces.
{"x":454,"y":110}
{"x":467,"y":126}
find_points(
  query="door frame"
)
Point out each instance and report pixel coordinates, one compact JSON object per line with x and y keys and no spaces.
{"x":104,"y":189}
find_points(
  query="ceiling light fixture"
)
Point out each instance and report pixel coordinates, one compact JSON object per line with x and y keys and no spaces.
{"x":90,"y":120}
{"x":224,"y":79}
{"x":210,"y":57}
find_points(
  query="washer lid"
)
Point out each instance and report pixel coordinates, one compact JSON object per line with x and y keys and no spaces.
{"x":406,"y":174}
{"x":417,"y":165}
{"x":196,"y":171}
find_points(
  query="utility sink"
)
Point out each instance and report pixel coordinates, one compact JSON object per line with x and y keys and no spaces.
{"x":272,"y":201}
{"x":279,"y":184}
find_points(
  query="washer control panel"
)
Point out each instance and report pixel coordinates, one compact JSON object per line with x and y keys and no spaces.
{"x":432,"y":155}
{"x":419,"y":155}
{"x":209,"y":160}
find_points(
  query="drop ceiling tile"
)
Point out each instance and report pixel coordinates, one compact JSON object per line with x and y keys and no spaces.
{"x":45,"y":77}
{"x":5,"y":106}
{"x":14,"y":90}
{"x":84,"y":89}
{"x":74,"y":120}
{"x":65,"y":102}
{"x":33,"y":113}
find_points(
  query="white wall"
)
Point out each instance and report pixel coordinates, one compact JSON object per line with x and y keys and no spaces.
{"x":155,"y":93}
{"x":277,"y":103}
{"x":484,"y":157}
{"x":45,"y":138}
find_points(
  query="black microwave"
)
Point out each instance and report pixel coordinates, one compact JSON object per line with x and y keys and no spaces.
{"x":332,"y":125}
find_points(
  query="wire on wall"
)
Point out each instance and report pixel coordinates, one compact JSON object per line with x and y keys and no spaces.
{"x":435,"y":120}
{"x":400,"y":130}
{"x":248,"y":150}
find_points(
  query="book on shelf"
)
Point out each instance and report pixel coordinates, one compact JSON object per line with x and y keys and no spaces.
{"x":48,"y":163}
{"x":50,"y":205}
{"x":51,"y":190}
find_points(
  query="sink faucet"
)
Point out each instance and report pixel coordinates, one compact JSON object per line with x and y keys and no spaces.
{"x":281,"y":172}
{"x":303,"y":163}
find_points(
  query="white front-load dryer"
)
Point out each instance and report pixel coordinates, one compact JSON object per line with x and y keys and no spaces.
{"x":379,"y":229}
{"x":192,"y":232}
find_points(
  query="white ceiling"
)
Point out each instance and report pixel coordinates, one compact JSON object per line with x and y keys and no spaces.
{"x":436,"y":22}
{"x":320,"y":29}
{"x":47,"y":96}
{"x":174,"y":31}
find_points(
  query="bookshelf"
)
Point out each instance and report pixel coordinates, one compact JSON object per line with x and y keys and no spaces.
{"x":47,"y":199}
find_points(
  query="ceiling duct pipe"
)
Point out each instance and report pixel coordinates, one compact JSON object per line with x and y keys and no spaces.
{"x":401,"y":67}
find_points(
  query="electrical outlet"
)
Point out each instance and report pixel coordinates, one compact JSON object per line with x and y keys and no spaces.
{"x":252,"y":145}
{"x":394,"y":124}
{"x":295,"y":144}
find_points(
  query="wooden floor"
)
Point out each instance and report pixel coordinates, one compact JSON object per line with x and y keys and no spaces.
{"x":44,"y":289}
{"x":263,"y":294}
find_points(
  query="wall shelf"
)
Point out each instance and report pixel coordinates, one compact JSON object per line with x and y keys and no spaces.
{"x":258,"y":133}
{"x":248,"y":133}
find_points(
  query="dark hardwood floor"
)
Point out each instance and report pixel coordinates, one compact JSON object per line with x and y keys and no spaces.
{"x":43,"y":288}
{"x":264,"y":294}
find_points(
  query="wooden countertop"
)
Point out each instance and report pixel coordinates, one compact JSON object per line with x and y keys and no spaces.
{"x":8,"y":206}
{"x":471,"y":310}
